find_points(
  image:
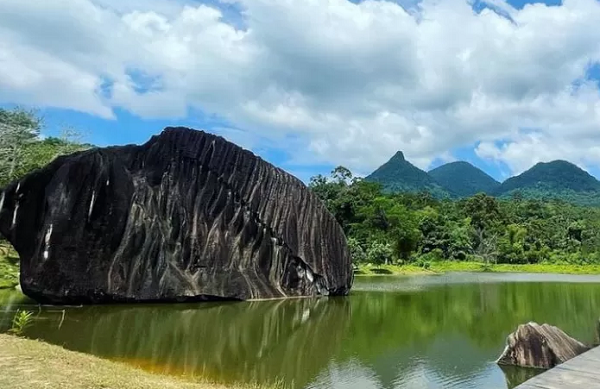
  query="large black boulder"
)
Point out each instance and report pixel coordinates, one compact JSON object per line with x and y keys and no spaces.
{"x":186,"y":216}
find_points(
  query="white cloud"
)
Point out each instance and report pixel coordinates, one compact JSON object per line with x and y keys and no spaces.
{"x":170,"y":7}
{"x":350,"y":83}
{"x":525,"y":150}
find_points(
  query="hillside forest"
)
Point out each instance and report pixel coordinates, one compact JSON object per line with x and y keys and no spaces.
{"x":399,"y":228}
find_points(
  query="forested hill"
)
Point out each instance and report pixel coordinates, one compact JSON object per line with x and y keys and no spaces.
{"x":464,"y":179}
{"x":554,"y":180}
{"x":560,"y":180}
{"x":399,"y":175}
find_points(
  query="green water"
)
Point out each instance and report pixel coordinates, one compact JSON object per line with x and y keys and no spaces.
{"x":392,"y":332}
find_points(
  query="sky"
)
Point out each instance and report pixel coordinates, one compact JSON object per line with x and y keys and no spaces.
{"x":312,"y":84}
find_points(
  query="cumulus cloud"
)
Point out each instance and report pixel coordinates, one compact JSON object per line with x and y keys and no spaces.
{"x":525,"y":150}
{"x":348,"y":83}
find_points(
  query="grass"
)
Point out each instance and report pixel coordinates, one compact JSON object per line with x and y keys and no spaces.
{"x":386,"y":270}
{"x":26,"y":363}
{"x":9,"y":268}
{"x":548,"y":268}
{"x":455,"y":266}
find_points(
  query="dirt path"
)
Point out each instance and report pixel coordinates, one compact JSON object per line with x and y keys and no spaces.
{"x":30,"y":364}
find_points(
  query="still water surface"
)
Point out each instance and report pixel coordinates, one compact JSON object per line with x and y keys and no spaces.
{"x":391,"y":333}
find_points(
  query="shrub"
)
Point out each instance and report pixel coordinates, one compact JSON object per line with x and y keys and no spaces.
{"x":21,"y":320}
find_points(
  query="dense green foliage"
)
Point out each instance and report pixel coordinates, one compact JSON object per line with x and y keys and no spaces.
{"x":22,"y":149}
{"x":399,"y":175}
{"x":557,"y":179}
{"x":407,"y":227}
{"x":463,"y":179}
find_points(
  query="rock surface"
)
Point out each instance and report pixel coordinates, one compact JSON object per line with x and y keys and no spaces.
{"x":542,"y":346}
{"x":186,"y":216}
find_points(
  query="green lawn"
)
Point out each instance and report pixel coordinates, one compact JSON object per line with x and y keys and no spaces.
{"x":454,"y":266}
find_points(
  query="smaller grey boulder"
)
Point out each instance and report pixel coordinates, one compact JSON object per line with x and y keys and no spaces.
{"x":541,"y":346}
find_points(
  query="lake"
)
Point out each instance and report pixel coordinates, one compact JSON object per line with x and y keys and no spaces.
{"x":390,"y":333}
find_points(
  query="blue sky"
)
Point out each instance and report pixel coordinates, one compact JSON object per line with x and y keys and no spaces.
{"x":499,"y":107}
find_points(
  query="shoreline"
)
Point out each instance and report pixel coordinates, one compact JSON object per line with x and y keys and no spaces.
{"x":9,"y":272}
{"x":9,"y":279}
{"x":27,"y":363}
{"x":436,"y":268}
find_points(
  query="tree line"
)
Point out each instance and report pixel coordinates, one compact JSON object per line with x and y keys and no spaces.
{"x":417,"y":228}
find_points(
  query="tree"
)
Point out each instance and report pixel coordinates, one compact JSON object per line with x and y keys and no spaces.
{"x":71,"y":141}
{"x":511,"y":246}
{"x":404,"y":231}
{"x":18,"y":128}
{"x":487,"y":247}
{"x":379,"y":253}
{"x":341,"y":175}
{"x":320,"y":186}
{"x":459,"y":235}
{"x":23,"y":150}
{"x":483,"y":210}
{"x":486,"y":218}
{"x":344,"y":195}
{"x":357,"y":253}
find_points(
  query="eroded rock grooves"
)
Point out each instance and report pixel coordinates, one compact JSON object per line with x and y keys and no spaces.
{"x":186,"y":216}
{"x":541,"y":346}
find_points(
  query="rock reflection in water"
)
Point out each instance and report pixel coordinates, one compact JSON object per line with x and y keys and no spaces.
{"x":248,"y":341}
{"x":515,"y":376}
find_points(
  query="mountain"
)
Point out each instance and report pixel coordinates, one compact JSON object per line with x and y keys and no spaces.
{"x":557,"y":179}
{"x":399,"y":175}
{"x":464,"y":179}
{"x":546,"y":180}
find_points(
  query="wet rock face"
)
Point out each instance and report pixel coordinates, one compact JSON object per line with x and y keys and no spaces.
{"x":186,"y":216}
{"x":542,"y":346}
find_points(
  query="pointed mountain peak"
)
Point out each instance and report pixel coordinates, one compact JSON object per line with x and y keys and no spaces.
{"x":399,"y":156}
{"x":399,"y":175}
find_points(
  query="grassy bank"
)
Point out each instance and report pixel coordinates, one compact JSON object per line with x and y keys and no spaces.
{"x":28,"y":364}
{"x":9,"y":269}
{"x":455,"y":266}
